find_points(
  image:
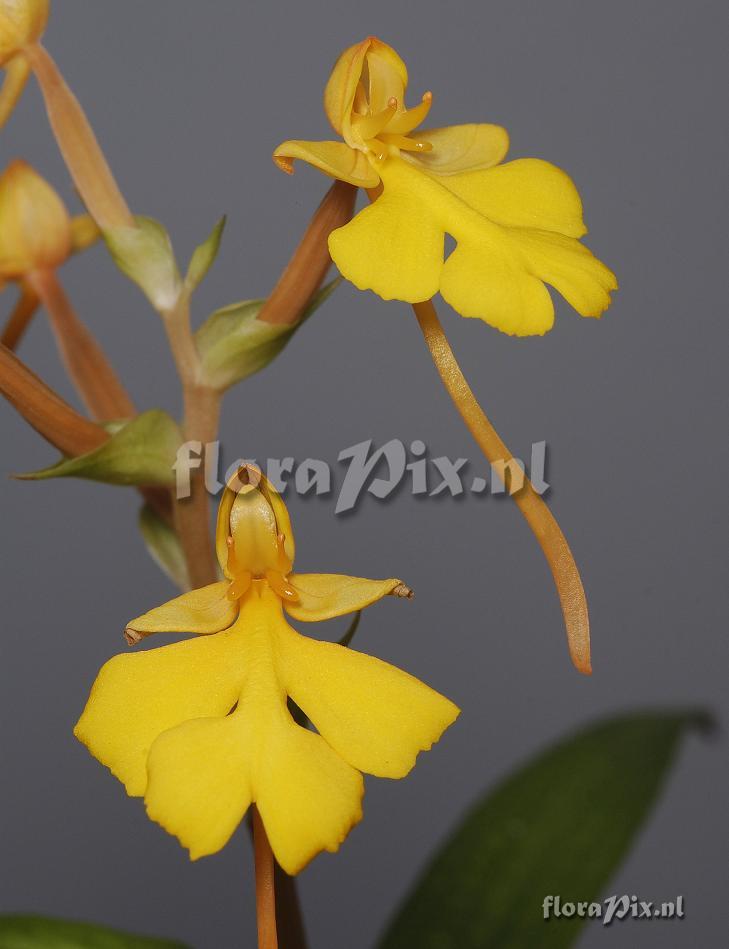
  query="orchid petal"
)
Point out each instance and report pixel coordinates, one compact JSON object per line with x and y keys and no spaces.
{"x":461,"y":148}
{"x":322,"y":596}
{"x":203,"y":611}
{"x":374,"y":716}
{"x":137,"y":697}
{"x":333,"y":158}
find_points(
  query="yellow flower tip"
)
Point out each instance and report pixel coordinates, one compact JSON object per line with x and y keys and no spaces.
{"x":201,"y":728}
{"x":22,"y":22}
{"x":35,"y":228}
{"x":284,"y":162}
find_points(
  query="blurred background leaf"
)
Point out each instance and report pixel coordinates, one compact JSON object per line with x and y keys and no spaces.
{"x":35,"y":932}
{"x":164,"y":546}
{"x":233,"y":343}
{"x":142,"y":451}
{"x":561,"y":825}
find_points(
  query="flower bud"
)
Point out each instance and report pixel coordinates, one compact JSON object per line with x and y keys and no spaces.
{"x":35,"y":228}
{"x":21,"y":22}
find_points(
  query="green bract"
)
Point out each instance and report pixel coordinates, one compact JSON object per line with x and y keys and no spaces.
{"x":142,"y":452}
{"x":233,"y":343}
{"x":144,"y":253}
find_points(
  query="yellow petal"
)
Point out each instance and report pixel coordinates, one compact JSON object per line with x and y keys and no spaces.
{"x":387,"y":75}
{"x":496,"y":272}
{"x":204,"y":774}
{"x":372,"y":714}
{"x":17,"y":71}
{"x":333,"y":158}
{"x":207,"y":610}
{"x":342,"y":84}
{"x":325,"y":595}
{"x":394,"y":246}
{"x":84,"y":232}
{"x":137,"y":697}
{"x":199,"y":782}
{"x":308,"y":797}
{"x":527,"y":192}
{"x":461,"y":148}
{"x":570,"y":267}
{"x":486,"y":277}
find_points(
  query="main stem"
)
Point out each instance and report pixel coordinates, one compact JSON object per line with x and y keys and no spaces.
{"x":537,"y":514}
{"x":201,"y":417}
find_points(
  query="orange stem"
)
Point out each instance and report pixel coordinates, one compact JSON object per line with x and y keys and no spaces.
{"x":308,"y":266}
{"x":537,"y":514}
{"x":19,"y":319}
{"x":80,"y":149}
{"x":86,"y":363}
{"x":265,"y":888}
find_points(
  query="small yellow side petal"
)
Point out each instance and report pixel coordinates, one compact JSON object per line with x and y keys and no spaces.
{"x":527,"y":192}
{"x":325,"y":595}
{"x":137,"y":697}
{"x":375,"y":716}
{"x":461,"y":148}
{"x":333,"y":158}
{"x":394,"y":247}
{"x":203,"y":611}
{"x":199,"y":787}
{"x":308,"y":797}
{"x":17,"y":71}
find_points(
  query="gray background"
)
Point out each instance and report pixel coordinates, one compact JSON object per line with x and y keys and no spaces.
{"x":189,"y":99}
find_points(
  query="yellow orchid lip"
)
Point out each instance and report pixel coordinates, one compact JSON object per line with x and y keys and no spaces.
{"x":201,"y":728}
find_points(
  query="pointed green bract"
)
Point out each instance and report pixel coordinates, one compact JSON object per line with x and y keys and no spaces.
{"x":36,"y":932}
{"x":143,"y":452}
{"x":233,"y":343}
{"x":144,"y":253}
{"x":204,"y":256}
{"x":559,"y":826}
{"x":164,"y":546}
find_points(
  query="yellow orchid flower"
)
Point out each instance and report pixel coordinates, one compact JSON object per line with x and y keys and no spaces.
{"x":22,"y":22}
{"x":201,"y":728}
{"x":516,"y":225}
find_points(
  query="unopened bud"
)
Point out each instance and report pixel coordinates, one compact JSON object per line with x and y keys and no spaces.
{"x":22,"y":22}
{"x":35,"y":228}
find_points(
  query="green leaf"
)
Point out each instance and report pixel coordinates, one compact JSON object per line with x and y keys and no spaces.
{"x":143,"y":452}
{"x":36,"y":932}
{"x":204,"y":256}
{"x":144,"y":253}
{"x":164,"y":546}
{"x":561,"y":826}
{"x":233,"y":343}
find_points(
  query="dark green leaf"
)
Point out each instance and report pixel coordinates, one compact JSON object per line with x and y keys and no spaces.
{"x":35,"y":932}
{"x":141,"y":452}
{"x":164,"y":546}
{"x":233,"y":343}
{"x":561,"y":825}
{"x":204,"y":257}
{"x":144,"y":253}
